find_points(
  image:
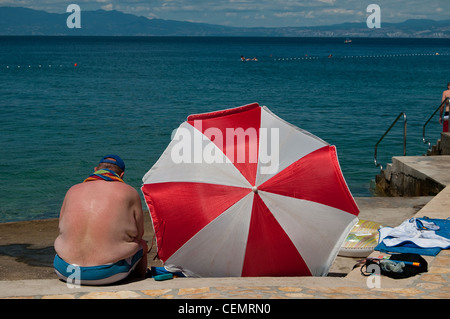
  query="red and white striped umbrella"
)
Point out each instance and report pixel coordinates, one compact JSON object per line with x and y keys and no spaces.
{"x":241,"y":192}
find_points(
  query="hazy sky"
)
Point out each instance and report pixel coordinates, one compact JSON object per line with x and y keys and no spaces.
{"x":251,"y":13}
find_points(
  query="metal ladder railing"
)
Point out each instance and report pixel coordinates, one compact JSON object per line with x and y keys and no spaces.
{"x":425,"y":141}
{"x":387,"y":131}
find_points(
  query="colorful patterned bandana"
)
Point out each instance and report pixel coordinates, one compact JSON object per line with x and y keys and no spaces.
{"x":105,"y":175}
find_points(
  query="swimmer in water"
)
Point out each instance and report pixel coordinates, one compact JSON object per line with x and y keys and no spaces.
{"x":444,"y":119}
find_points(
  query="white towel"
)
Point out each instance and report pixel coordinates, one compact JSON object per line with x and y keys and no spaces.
{"x":419,"y":232}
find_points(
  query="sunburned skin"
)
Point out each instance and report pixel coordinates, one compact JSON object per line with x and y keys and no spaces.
{"x":101,"y":222}
{"x":445,"y":95}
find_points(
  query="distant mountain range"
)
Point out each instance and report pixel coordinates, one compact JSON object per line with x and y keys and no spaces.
{"x":23,"y":21}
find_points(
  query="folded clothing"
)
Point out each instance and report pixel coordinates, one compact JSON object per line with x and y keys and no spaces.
{"x":423,"y":236}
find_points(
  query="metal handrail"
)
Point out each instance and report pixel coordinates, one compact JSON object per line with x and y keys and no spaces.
{"x":387,"y":131}
{"x":425,"y":141}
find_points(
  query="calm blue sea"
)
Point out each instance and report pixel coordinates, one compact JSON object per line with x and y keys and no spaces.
{"x":67,"y":101}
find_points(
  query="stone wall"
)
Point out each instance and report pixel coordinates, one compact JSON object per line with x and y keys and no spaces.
{"x":400,"y":179}
{"x":445,"y":144}
{"x":442,"y":147}
{"x":412,"y":176}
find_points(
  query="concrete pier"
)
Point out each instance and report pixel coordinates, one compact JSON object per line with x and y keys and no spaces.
{"x":445,"y":144}
{"x":434,"y":284}
{"x":442,"y":146}
{"x":417,"y":175}
{"x":414,"y":176}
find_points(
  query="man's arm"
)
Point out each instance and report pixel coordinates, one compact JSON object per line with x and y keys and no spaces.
{"x":138,"y":215}
{"x":441,"y":109}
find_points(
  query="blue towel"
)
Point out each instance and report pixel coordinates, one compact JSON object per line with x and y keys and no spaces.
{"x":409,"y":247}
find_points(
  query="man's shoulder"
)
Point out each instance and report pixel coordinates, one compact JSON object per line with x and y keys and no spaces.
{"x":129,"y":187}
{"x":126,"y":190}
{"x":75,"y":187}
{"x":124,"y":187}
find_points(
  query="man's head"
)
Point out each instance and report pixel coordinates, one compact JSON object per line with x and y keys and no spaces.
{"x":112,"y":162}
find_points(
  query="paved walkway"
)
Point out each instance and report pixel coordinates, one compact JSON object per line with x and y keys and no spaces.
{"x":434,"y":284}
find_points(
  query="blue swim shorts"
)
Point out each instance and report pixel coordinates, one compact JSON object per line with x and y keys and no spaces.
{"x":96,"y":275}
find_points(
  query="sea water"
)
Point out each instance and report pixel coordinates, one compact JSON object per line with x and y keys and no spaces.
{"x":67,"y":101}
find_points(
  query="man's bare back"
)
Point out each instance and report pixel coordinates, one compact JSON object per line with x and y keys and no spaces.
{"x":100,"y":222}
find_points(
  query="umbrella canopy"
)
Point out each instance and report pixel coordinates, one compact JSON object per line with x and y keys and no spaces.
{"x":241,"y":192}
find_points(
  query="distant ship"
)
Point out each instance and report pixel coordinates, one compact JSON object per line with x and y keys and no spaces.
{"x":348,"y":41}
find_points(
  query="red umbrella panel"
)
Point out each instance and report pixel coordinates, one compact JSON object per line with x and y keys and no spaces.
{"x":241,"y":192}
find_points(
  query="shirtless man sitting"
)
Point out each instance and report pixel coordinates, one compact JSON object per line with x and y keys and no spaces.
{"x":100,"y":229}
{"x":444,"y":120}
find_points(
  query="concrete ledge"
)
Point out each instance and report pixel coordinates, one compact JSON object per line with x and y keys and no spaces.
{"x":414,"y":176}
{"x":445,"y":143}
{"x":25,"y":288}
{"x":438,"y":207}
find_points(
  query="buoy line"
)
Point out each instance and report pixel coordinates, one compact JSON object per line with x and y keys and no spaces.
{"x":362,"y":56}
{"x":37,"y":66}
